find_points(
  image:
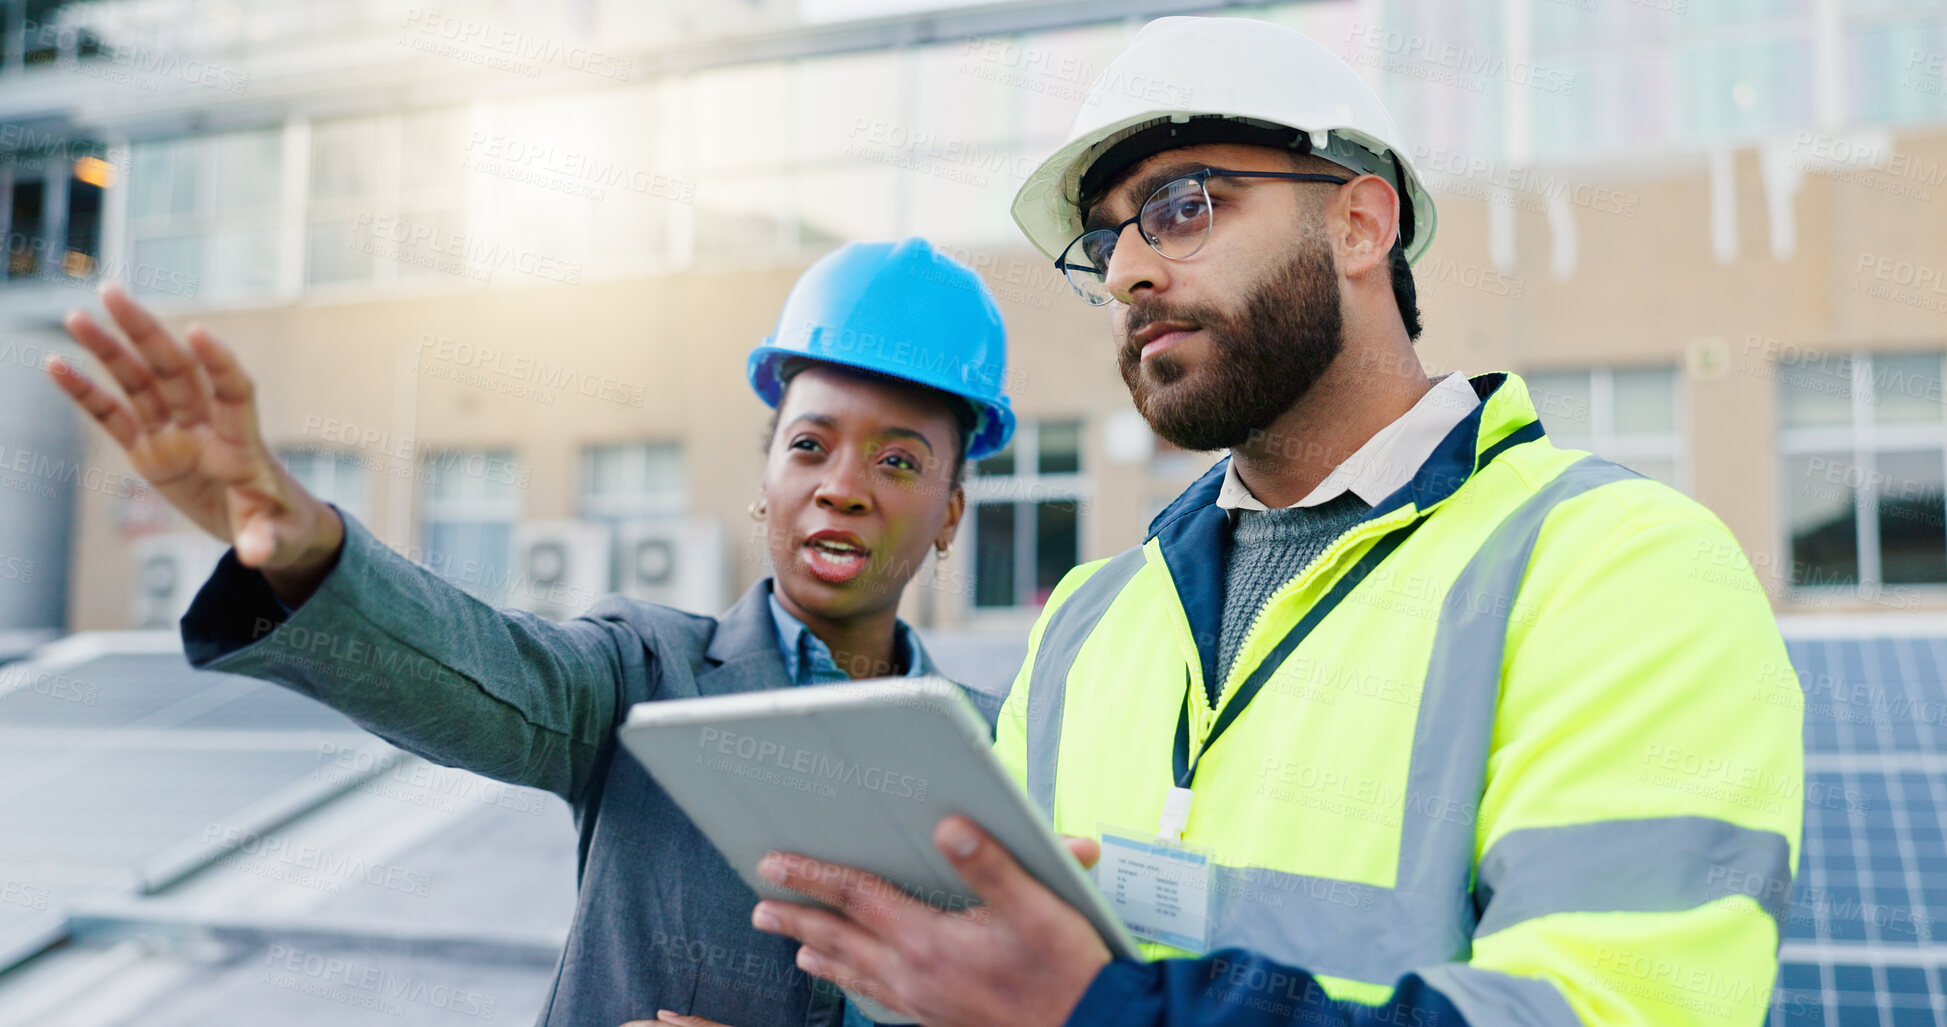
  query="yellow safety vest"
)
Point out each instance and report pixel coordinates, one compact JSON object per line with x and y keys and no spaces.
{"x":1528,"y":730}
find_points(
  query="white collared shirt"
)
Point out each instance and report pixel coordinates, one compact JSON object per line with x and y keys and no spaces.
{"x":1388,"y":460}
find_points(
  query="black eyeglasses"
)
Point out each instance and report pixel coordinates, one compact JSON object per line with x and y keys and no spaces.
{"x":1175,"y":221}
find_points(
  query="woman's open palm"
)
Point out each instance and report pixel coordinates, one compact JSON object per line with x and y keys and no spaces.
{"x":187,"y":422}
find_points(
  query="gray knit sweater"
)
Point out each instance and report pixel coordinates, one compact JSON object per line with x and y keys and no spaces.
{"x":1268,"y":549}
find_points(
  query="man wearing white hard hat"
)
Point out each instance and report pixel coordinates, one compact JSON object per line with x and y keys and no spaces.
{"x":1401,"y":714}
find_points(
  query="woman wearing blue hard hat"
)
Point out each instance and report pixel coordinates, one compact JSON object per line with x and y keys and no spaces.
{"x":885,"y":373}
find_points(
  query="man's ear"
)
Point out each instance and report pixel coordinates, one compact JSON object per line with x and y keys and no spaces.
{"x":1368,"y":210}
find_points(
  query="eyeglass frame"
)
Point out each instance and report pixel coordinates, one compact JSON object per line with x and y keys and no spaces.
{"x":1201,"y":178}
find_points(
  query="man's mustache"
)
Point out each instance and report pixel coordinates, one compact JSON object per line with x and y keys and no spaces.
{"x":1142,"y":315}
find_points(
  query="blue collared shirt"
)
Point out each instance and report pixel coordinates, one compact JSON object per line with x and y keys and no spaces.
{"x":809,"y":661}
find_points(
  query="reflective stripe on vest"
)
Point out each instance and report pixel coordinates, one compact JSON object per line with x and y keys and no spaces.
{"x":1328,"y":926}
{"x":1061,"y":642}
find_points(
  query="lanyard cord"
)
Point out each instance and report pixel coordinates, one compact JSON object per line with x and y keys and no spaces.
{"x":1185,"y":769}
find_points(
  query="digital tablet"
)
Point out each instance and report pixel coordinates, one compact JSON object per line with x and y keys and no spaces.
{"x":856,"y":774}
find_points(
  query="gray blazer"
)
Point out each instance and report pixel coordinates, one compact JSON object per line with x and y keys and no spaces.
{"x":661,"y":921}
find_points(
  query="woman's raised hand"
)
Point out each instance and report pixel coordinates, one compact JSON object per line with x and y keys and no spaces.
{"x":187,"y":421}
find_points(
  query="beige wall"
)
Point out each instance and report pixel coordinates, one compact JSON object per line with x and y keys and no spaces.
{"x":1645,"y":289}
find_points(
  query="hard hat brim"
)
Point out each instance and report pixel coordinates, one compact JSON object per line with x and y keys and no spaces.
{"x":1045,"y":211}
{"x":993,"y":420}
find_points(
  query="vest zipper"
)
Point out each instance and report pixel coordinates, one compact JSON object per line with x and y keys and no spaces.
{"x":1377,"y":526}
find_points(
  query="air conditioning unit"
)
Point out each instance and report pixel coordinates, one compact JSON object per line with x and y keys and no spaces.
{"x":560,"y":567}
{"x":675,"y":562}
{"x":168,"y":570}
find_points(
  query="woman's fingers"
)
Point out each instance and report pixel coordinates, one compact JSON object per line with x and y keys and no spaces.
{"x":108,"y":412}
{"x":234,"y":412}
{"x":177,"y":378}
{"x":130,"y":371}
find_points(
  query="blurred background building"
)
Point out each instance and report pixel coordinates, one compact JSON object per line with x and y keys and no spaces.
{"x":496,"y":265}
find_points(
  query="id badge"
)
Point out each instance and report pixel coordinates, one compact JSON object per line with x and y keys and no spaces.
{"x":1159,"y":888}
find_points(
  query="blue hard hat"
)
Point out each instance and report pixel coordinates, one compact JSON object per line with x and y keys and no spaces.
{"x":902,"y":309}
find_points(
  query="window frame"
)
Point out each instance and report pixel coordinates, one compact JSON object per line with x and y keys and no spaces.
{"x":641,"y":504}
{"x":1863,"y":441}
{"x":507,"y":509}
{"x":1603,"y":439}
{"x":1024,"y":490}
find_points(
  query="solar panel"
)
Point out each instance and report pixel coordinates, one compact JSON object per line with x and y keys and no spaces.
{"x":117,"y":759}
{"x":1862,"y":932}
{"x":1873,"y":696}
{"x":122,"y":771}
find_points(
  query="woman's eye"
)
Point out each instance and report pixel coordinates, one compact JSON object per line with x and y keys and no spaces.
{"x":903,"y":463}
{"x":807,"y":445}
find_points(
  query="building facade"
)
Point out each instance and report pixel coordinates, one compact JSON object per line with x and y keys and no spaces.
{"x":496,"y":279}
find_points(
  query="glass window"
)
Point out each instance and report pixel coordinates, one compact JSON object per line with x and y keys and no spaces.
{"x":1645,"y":401}
{"x":1815,"y":392}
{"x":1864,"y":445}
{"x":331,"y":476}
{"x":1057,"y":538}
{"x":643,"y":189}
{"x":737,"y":119}
{"x":205,"y":214}
{"x":960,"y":88}
{"x":165,"y":178}
{"x":994,"y":555}
{"x":1906,"y":388}
{"x":741,"y":216}
{"x":1737,"y":89}
{"x":847,"y":202}
{"x":347,"y":158}
{"x":335,"y":252}
{"x":472,"y":499}
{"x":1912,"y":519}
{"x":430,"y":251}
{"x":1650,"y":75}
{"x":1629,"y":415}
{"x":242,"y":260}
{"x":1060,"y":446}
{"x":1048,"y":73}
{"x":998,"y":464}
{"x":167,"y":264}
{"x":636,"y":479}
{"x":1824,"y":522}
{"x":1027,"y":502}
{"x":968,"y":203}
{"x":1884,"y":82}
{"x":388,"y":200}
{"x":855,"y":100}
{"x":1579,"y":22}
{"x":431,"y":143}
{"x":1451,"y":93}
{"x":248,"y":170}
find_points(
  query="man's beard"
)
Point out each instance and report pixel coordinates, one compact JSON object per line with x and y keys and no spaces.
{"x":1263,"y":359}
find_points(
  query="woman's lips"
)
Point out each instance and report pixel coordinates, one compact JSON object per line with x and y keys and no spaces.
{"x":835,"y":564}
{"x":1166,"y":341}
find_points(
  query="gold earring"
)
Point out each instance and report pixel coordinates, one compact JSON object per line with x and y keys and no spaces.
{"x":943,"y":549}
{"x":757,"y":509}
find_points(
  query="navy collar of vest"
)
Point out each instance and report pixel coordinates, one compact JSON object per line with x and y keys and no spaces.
{"x":1195,"y":536}
{"x":1450,"y":465}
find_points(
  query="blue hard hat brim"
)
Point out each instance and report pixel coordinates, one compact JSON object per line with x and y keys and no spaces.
{"x":994,"y":420}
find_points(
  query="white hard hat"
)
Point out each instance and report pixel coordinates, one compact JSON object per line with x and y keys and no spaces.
{"x":1189,"y":80}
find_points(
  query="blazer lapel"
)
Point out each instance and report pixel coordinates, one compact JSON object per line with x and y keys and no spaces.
{"x":743,"y":655}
